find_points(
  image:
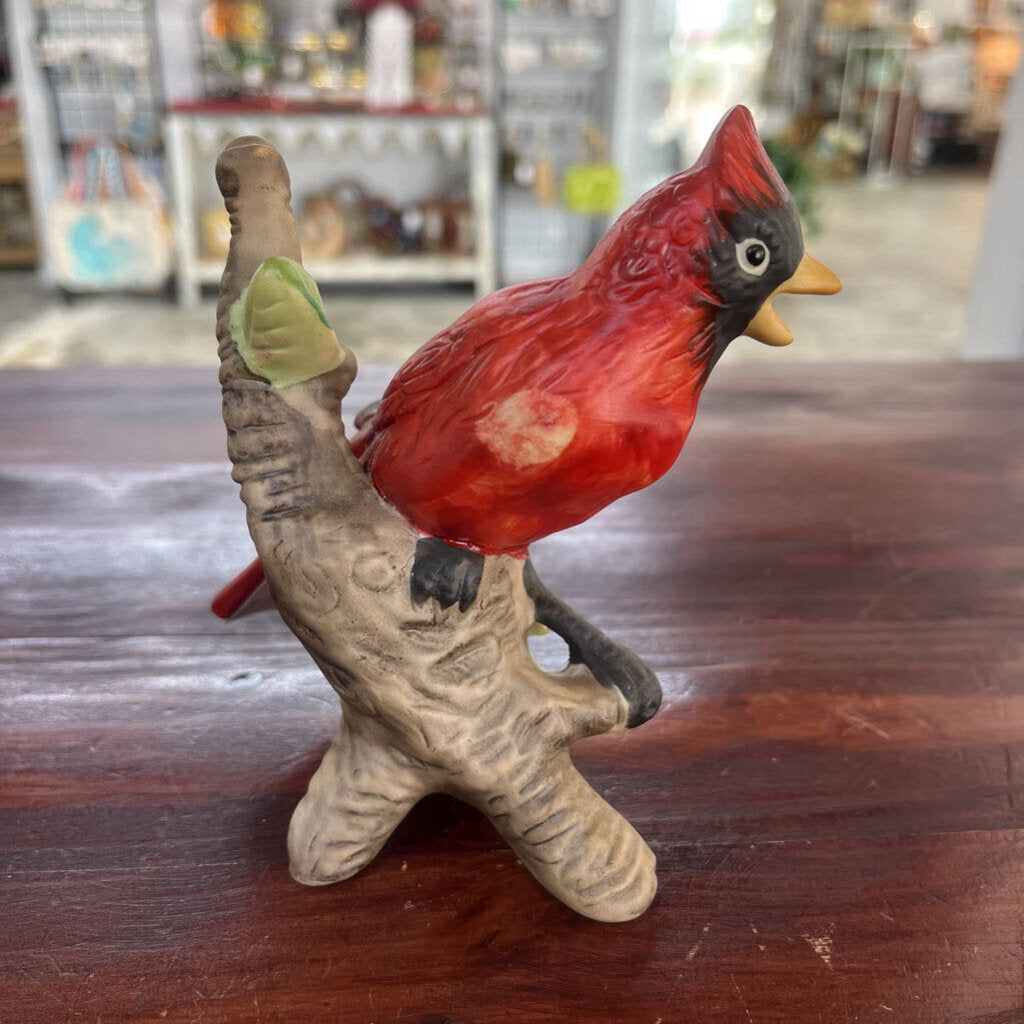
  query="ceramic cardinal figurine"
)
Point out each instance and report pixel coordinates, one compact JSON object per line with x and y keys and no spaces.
{"x":546,"y":401}
{"x":399,"y":557}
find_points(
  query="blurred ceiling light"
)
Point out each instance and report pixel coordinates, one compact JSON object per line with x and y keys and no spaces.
{"x":925,"y":29}
{"x":700,"y":19}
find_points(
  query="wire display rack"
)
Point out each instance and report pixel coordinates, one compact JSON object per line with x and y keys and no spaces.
{"x":102,"y":68}
{"x":556,"y":68}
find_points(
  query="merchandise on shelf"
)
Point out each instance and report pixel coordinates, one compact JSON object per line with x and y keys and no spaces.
{"x":382,"y":54}
{"x":344,"y":220}
{"x":323,"y":233}
{"x":110,"y":229}
{"x":214,"y":233}
{"x":17,"y":232}
{"x":389,"y":46}
{"x":237,"y":41}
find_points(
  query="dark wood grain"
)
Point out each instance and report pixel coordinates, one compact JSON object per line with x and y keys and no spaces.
{"x":830,"y":584}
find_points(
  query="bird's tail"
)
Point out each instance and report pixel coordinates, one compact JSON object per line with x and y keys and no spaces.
{"x":233,"y":595}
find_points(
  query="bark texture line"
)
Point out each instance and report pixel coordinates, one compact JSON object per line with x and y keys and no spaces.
{"x":433,"y":700}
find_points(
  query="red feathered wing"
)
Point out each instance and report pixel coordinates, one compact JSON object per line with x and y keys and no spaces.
{"x":517,"y":421}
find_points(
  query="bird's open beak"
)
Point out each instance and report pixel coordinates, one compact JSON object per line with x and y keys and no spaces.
{"x":811,"y":278}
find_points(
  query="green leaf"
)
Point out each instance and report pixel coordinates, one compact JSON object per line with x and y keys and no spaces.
{"x":280,"y":327}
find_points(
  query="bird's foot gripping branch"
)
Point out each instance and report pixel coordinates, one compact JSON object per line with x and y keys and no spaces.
{"x":435,"y":699}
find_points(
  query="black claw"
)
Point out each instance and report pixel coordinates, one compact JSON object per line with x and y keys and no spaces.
{"x":611,"y":663}
{"x":445,"y":573}
{"x":615,"y":665}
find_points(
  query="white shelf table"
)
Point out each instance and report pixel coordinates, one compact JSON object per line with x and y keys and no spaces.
{"x":193,"y":140}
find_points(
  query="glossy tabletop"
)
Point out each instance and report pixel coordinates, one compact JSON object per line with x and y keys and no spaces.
{"x":830,"y":584}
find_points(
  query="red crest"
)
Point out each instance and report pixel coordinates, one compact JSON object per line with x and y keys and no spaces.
{"x":737,"y":166}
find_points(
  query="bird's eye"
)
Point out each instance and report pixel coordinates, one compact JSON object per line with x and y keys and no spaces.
{"x":753,"y":256}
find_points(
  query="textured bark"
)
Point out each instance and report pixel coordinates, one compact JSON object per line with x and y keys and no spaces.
{"x":433,"y":700}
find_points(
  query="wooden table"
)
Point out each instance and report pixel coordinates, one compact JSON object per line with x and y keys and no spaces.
{"x":830,"y":583}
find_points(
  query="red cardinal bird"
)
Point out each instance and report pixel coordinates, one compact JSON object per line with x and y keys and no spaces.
{"x":546,"y":401}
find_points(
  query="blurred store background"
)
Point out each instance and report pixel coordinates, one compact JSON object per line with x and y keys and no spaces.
{"x":442,"y":148}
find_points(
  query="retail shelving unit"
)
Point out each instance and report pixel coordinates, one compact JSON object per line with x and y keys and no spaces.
{"x":194,"y":137}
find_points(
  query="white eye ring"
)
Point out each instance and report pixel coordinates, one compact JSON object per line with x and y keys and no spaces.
{"x":753,"y":256}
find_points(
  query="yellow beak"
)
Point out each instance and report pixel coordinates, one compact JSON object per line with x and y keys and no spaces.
{"x":811,"y":278}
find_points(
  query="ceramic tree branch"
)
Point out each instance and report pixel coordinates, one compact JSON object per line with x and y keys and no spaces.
{"x":399,"y":558}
